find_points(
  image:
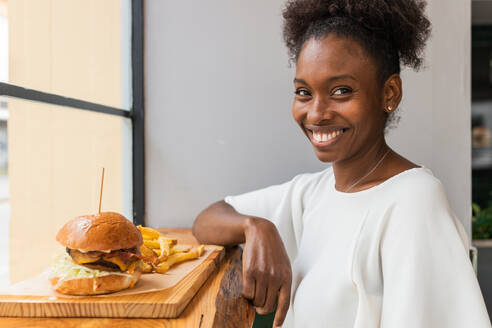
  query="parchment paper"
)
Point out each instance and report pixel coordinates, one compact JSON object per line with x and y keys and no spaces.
{"x":149,"y":282}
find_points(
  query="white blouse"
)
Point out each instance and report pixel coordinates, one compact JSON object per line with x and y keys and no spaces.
{"x":392,"y":256}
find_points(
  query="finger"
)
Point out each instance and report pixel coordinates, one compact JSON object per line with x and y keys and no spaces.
{"x":283,"y":305}
{"x":248,"y":289}
{"x":260,"y":293}
{"x":271,"y":299}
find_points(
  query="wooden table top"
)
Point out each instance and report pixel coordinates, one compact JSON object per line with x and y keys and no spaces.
{"x":218,"y":303}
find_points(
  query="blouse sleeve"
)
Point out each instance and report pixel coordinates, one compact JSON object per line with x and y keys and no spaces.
{"x":428,"y":277}
{"x":282,"y":204}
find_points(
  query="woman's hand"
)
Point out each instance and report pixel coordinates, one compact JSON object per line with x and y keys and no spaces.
{"x":267,"y":274}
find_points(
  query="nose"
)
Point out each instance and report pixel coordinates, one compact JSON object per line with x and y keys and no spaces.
{"x":319,"y":111}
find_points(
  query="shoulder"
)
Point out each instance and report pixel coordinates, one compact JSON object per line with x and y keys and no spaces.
{"x":303,"y":187}
{"x":416,"y":212}
{"x":417,"y":187}
{"x":418,"y":203}
{"x":297,"y":187}
{"x":313,"y":178}
{"x":414,"y":200}
{"x":308,"y":183}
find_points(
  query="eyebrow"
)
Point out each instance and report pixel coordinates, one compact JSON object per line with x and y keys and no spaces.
{"x":331,"y":79}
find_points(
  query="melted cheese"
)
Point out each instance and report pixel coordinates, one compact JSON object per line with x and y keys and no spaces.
{"x":132,"y":267}
{"x":83,"y":258}
{"x":116,"y":260}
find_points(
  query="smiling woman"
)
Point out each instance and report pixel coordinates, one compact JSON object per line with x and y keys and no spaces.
{"x":350,"y":246}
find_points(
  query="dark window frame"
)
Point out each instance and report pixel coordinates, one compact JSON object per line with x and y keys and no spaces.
{"x":135,"y":114}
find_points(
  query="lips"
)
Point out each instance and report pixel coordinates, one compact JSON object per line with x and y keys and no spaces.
{"x":323,"y":136}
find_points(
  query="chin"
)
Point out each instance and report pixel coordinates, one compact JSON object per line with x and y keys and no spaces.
{"x":326,"y":157}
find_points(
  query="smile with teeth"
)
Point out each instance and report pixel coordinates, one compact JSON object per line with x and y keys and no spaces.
{"x":326,"y":136}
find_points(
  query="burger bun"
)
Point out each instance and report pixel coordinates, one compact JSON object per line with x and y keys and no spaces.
{"x":105,"y":284}
{"x":105,"y":231}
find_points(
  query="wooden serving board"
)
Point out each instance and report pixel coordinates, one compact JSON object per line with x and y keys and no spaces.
{"x":168,"y":303}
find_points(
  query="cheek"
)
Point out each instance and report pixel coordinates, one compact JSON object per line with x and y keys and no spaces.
{"x":298,"y":112}
{"x":362,"y":113}
{"x":352,"y":112}
{"x":357,"y":115}
{"x":367,"y":124}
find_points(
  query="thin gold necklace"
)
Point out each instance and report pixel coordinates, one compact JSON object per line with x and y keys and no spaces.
{"x":367,"y":174}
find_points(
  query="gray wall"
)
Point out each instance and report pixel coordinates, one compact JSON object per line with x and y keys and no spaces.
{"x":218,"y":99}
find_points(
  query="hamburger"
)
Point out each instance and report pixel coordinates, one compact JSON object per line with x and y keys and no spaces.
{"x":102,"y":255}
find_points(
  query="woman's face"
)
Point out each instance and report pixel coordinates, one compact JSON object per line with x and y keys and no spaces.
{"x":338,"y":101}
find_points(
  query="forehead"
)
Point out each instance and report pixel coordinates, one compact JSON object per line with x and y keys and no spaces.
{"x":332,"y":56}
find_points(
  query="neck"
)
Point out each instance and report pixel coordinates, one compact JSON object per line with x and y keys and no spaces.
{"x":349,"y":170}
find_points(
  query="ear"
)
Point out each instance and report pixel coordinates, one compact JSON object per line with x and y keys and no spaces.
{"x":392,"y":93}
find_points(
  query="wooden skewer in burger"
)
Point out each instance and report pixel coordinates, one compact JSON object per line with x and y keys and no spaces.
{"x":103,"y":253}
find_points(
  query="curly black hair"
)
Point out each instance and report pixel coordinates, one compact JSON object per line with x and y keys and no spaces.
{"x":393,"y":32}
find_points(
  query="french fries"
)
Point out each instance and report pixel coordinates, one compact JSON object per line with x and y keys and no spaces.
{"x":179,"y":257}
{"x":165,"y":247}
{"x":147,"y":251}
{"x":148,"y":233}
{"x":160,"y":253}
{"x":155,"y":243}
{"x":145,"y":267}
{"x":175,"y":249}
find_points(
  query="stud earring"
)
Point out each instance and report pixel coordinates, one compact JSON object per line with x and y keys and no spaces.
{"x":390,"y":108}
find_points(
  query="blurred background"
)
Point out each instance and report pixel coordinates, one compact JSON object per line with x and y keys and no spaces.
{"x":481,"y":100}
{"x":192,"y":104}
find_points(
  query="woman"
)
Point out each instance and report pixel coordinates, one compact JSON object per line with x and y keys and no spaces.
{"x":371,"y":241}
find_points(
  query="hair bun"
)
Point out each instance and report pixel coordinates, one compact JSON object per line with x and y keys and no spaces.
{"x":401,"y":23}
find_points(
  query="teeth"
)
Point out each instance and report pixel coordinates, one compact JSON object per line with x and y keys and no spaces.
{"x":323,"y":137}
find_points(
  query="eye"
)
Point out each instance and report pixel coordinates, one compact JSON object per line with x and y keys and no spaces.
{"x":342,"y":91}
{"x":302,"y":93}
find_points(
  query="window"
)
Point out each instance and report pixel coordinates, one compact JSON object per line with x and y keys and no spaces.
{"x":74,"y":94}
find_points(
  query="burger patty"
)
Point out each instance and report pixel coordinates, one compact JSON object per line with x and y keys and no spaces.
{"x":77,"y":256}
{"x":134,"y":251}
{"x":102,"y":265}
{"x":118,"y":260}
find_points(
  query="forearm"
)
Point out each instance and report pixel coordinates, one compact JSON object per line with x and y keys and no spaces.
{"x":267,"y":275}
{"x":220,"y":224}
